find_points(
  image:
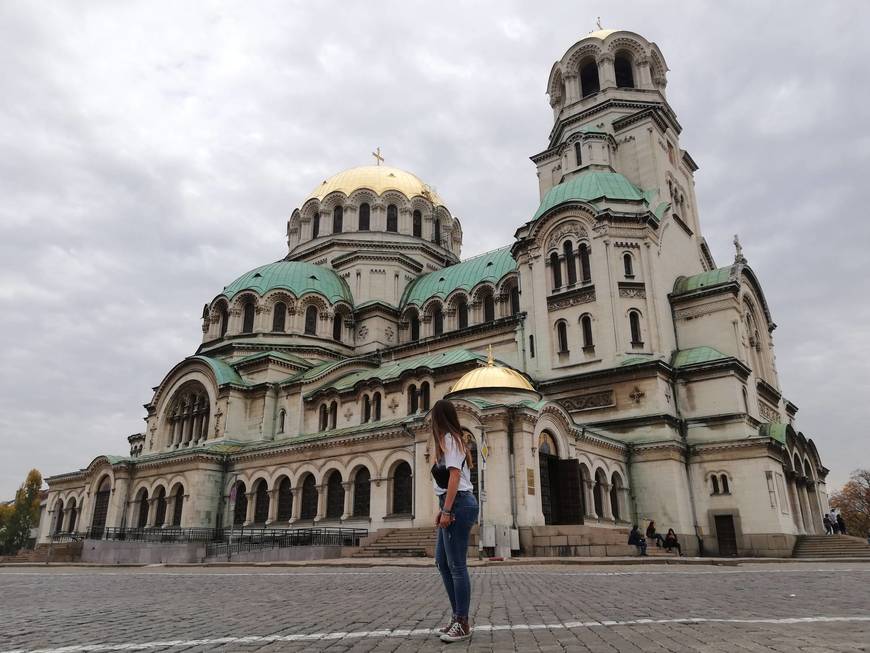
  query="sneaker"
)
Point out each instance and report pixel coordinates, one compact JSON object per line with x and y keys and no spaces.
{"x":457,"y":633}
{"x":444,"y":629}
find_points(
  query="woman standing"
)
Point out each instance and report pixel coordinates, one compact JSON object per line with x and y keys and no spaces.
{"x":451,"y":478}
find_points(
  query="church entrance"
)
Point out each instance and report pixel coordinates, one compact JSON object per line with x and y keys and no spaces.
{"x":101,"y":508}
{"x":561,"y":497}
{"x":726,"y":535}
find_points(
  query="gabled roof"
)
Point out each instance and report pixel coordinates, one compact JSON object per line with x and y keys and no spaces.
{"x":279,"y":355}
{"x":297,"y":277}
{"x":491,"y":266}
{"x":591,"y":186}
{"x":696,"y":355}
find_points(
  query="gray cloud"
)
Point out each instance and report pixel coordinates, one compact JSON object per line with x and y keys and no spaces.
{"x":153,"y":151}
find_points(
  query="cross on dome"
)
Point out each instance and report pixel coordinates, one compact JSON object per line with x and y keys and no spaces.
{"x":377,"y":154}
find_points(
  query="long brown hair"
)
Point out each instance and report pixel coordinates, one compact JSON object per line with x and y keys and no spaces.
{"x":444,"y":421}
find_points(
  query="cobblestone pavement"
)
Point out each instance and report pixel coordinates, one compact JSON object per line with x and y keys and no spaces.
{"x":780,"y":607}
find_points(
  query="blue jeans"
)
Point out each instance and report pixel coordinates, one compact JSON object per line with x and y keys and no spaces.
{"x":451,"y":550}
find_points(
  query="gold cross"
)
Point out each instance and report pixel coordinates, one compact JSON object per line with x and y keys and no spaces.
{"x":598,"y":22}
{"x":377,"y":155}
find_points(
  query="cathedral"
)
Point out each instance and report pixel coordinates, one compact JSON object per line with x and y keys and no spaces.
{"x":606,"y":370}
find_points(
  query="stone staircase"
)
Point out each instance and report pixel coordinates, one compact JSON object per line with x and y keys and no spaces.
{"x":831,"y":546}
{"x":62,"y":552}
{"x":404,"y":543}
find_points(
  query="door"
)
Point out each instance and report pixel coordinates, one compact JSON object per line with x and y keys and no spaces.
{"x":726,"y":535}
{"x":549,"y":468}
{"x":570,"y":501}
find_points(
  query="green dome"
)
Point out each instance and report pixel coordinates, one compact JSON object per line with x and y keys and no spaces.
{"x":295,"y":276}
{"x":589,"y":187}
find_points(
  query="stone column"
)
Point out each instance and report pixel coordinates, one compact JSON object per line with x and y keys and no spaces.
{"x":273,"y":506}
{"x":590,"y":499}
{"x":606,"y":71}
{"x":65,"y":525}
{"x":152,"y":512}
{"x":805,"y":506}
{"x":348,"y":500}
{"x":296,"y":509}
{"x":605,"y":501}
{"x":644,"y":79}
{"x":572,"y":87}
{"x":321,"y":503}
{"x":249,"y":513}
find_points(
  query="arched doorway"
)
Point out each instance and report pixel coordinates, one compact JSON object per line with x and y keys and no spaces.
{"x":402,"y":489}
{"x":240,"y":508}
{"x":101,"y":508}
{"x":261,"y":503}
{"x":142,"y":503}
{"x":362,"y":492}
{"x":177,"y":505}
{"x":160,"y":513}
{"x":334,"y":496}
{"x":309,"y":498}
{"x":561,"y":501}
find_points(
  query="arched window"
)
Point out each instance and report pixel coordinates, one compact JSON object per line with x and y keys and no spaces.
{"x":58,"y":520}
{"x":634,"y":325}
{"x":337,"y":326}
{"x":556,"y":269}
{"x":413,"y":400}
{"x":715,"y":481}
{"x":531,"y":346}
{"x":437,"y":321}
{"x":724,"y":480}
{"x":224,"y":320}
{"x":315,"y":225}
{"x":562,"y":336}
{"x":285,"y":500}
{"x":282,"y":417}
{"x":436,"y":238}
{"x":362,"y":492}
{"x":333,"y":414}
{"x":376,"y":407}
{"x":73,"y":514}
{"x":586,"y":327}
{"x":402,"y":489}
{"x":578,"y":153}
{"x":365,"y":216}
{"x":488,"y":308}
{"x":585,"y":269}
{"x":248,"y":318}
{"x":367,"y":409}
{"x":624,"y":71}
{"x":160,"y":513}
{"x":462,"y":313}
{"x":323,"y":421}
{"x":334,"y":496}
{"x":337,"y":219}
{"x":589,"y":84}
{"x":515,"y":300}
{"x":424,"y":395}
{"x":415,"y":328}
{"x":628,"y":265}
{"x":188,"y":415}
{"x":261,"y":503}
{"x":598,"y":492}
{"x":279,"y":316}
{"x":418,"y":224}
{"x":311,"y":320}
{"x":101,"y":507}
{"x":309,"y":498}
{"x":568,"y":250}
{"x":177,"y":505}
{"x":142,"y":518}
{"x":392,"y":218}
{"x":615,"y":490}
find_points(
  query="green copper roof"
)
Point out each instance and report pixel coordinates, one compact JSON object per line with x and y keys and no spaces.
{"x":491,"y":266}
{"x":280,"y":355}
{"x":297,"y":277}
{"x":696,"y":355}
{"x":390,"y":371}
{"x":774,"y":430}
{"x":224,"y":373}
{"x":589,"y":187}
{"x":703,"y":280}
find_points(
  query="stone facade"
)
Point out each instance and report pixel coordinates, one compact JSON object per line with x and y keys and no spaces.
{"x":656,"y":390}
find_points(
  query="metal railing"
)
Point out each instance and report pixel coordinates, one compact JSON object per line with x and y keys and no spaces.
{"x":242,"y":540}
{"x":161,"y":534}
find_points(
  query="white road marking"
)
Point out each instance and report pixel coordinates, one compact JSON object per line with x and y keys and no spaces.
{"x":306,"y":637}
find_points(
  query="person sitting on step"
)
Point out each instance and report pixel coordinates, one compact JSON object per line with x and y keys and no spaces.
{"x":671,"y":542}
{"x":637,"y":540}
{"x":652,"y":535}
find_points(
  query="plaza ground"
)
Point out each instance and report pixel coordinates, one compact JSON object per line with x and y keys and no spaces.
{"x":751,"y":607}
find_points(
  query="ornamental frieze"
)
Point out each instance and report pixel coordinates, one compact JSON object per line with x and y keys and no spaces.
{"x":601,"y":399}
{"x":767,"y":413}
{"x":582,"y":295}
{"x":632,"y":290}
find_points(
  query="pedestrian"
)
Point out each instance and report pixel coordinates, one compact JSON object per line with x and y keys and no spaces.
{"x":652,"y":535}
{"x":451,"y":479}
{"x":828,"y":528}
{"x":834,"y":525}
{"x":671,"y":542}
{"x":841,"y":525}
{"x":637,"y":540}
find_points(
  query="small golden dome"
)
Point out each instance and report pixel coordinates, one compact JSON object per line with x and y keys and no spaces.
{"x":377,"y":179}
{"x":492,"y":376}
{"x":600,"y":34}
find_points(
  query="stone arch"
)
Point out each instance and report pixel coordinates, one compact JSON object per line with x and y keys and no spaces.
{"x":140,"y":499}
{"x":599,"y":491}
{"x":578,"y":53}
{"x":279,"y":472}
{"x":556,"y":85}
{"x":400,"y":487}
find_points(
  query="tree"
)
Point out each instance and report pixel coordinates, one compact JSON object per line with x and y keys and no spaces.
{"x":853,"y":502}
{"x":15,"y":524}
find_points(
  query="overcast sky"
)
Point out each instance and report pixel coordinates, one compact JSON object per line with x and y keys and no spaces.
{"x":151,"y":152}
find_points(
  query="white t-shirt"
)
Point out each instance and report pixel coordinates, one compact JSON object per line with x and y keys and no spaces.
{"x":454,"y":457}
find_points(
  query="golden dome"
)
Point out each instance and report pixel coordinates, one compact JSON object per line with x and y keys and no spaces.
{"x":492,"y":376}
{"x":378,"y":179}
{"x":600,"y":34}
